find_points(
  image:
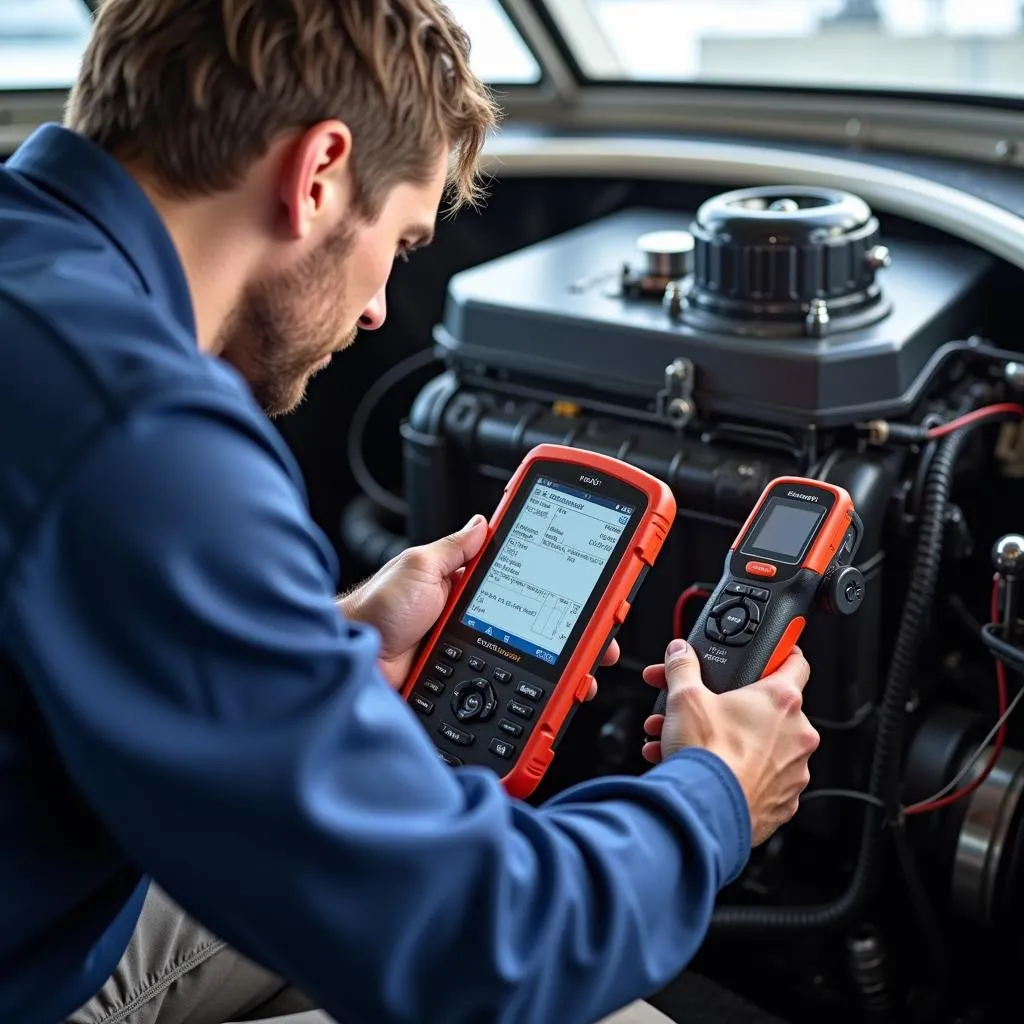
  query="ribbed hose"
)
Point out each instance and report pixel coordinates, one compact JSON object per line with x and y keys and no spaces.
{"x":886,"y":763}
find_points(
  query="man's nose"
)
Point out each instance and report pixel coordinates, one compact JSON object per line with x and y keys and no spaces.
{"x":375,"y":313}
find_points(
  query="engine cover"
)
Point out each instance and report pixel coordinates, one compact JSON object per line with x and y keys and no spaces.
{"x":778,"y":305}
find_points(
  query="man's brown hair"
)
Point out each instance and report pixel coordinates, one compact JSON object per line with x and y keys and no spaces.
{"x":196,"y":90}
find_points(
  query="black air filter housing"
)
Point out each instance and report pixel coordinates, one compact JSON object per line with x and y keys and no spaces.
{"x":775,"y":315}
{"x":780,"y":261}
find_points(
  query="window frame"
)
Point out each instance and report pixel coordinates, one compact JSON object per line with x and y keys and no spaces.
{"x":978,"y":128}
{"x":547,"y":17}
{"x":22,"y":110}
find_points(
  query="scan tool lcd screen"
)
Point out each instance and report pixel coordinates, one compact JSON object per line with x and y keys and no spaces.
{"x":547,"y":568}
{"x":784,"y":532}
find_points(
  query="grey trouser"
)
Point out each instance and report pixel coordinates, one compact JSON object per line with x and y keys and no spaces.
{"x":176,"y":972}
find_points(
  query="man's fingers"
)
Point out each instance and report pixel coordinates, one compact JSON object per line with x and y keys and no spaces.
{"x":794,"y":670}
{"x":654,"y":725}
{"x":654,"y":675}
{"x":611,"y":656}
{"x":652,"y":752}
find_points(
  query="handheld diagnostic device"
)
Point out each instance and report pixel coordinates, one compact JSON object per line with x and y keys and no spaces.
{"x":515,"y":651}
{"x":794,"y":552}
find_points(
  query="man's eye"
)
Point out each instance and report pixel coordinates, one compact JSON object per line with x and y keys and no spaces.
{"x":405,"y":250}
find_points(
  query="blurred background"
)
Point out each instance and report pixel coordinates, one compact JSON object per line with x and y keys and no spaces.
{"x":935,"y":45}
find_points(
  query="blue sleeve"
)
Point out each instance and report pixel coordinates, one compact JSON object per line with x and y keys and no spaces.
{"x":176,"y":619}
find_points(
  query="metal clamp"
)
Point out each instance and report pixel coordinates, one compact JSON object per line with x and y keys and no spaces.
{"x":675,"y":403}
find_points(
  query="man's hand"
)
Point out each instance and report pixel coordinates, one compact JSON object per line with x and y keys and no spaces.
{"x":405,"y":599}
{"x":760,"y":731}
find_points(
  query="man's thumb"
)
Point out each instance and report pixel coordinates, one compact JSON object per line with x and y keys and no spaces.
{"x":455,"y":550}
{"x":682,"y":667}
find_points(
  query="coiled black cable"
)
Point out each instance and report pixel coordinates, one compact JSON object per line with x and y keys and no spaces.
{"x":367,"y":482}
{"x":885,"y":766}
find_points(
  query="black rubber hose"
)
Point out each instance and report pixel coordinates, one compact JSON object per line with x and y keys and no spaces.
{"x":366,"y":539}
{"x":887,"y":759}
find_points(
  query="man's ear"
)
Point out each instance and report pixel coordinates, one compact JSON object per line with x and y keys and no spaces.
{"x":316,"y":176}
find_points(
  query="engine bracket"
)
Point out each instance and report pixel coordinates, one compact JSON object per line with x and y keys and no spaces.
{"x":675,"y":401}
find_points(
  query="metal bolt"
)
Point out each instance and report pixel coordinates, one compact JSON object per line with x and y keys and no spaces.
{"x":1013,"y":374}
{"x":879,"y":257}
{"x":1008,"y":554}
{"x":817,"y":320}
{"x":1005,"y":149}
{"x":673,"y":299}
{"x":626,"y":280}
{"x":680,"y":409}
{"x":878,"y":431}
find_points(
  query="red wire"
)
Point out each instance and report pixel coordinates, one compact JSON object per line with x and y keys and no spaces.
{"x":997,"y":748}
{"x":689,"y":594}
{"x":998,"y":409}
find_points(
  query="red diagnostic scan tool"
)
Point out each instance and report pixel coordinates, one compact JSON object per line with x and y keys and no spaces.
{"x":515,"y":651}
{"x":795,"y":551}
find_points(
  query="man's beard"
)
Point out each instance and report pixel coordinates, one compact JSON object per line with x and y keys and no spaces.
{"x":285,"y":325}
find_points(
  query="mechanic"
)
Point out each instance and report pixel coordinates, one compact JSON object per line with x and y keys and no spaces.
{"x":193,"y":727}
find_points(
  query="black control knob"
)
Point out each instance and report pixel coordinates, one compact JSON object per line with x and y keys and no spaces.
{"x":842,"y":591}
{"x":733,"y":621}
{"x":474,"y":699}
{"x":783,"y":260}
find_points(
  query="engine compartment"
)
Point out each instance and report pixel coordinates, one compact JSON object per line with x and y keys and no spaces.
{"x":718,"y":345}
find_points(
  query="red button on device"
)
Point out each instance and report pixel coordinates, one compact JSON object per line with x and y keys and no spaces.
{"x":761,"y":569}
